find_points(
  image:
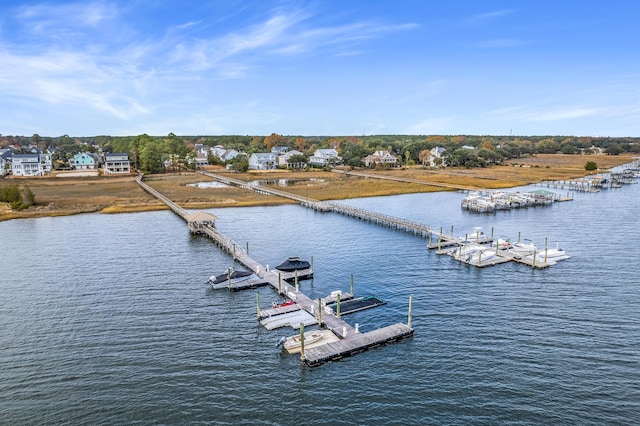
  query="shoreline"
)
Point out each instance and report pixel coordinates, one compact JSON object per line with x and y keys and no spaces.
{"x":114,"y":195}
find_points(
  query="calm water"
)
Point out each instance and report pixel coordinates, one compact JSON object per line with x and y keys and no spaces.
{"x":105,"y":319}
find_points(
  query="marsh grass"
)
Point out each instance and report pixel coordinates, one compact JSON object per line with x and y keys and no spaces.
{"x":67,"y":196}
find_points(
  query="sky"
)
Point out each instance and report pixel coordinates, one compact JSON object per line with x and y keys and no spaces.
{"x":320,"y":68}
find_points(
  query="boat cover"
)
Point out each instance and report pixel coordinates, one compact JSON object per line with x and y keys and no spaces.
{"x":293,"y":264}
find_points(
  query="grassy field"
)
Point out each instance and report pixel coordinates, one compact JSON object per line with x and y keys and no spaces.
{"x":65,"y":196}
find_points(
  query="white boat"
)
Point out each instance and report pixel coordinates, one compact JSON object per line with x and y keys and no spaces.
{"x":476,"y":235}
{"x":524,"y":247}
{"x":483,"y":255}
{"x":232,"y":276}
{"x":503,"y":243}
{"x":309,"y":338}
{"x":553,"y":254}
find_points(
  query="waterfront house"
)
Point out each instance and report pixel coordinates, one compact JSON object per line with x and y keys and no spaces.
{"x":262,"y":161}
{"x":3,"y":165}
{"x":83,"y":161}
{"x":434,"y":154}
{"x":116,"y":163}
{"x":223,"y":153}
{"x":380,"y":157}
{"x":30,"y":164}
{"x":279,"y":150}
{"x":323,"y":157}
{"x":283,"y":160}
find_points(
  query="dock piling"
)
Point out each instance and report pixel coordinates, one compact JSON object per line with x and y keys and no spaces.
{"x":319,"y":311}
{"x":352,"y":293}
{"x":302,"y":341}
{"x":258,"y":304}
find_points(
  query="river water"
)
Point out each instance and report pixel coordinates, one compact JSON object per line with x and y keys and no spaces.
{"x":106,"y":319}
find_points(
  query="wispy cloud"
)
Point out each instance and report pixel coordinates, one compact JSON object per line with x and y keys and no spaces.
{"x":488,"y":17}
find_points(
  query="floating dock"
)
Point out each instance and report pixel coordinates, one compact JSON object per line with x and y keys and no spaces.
{"x":350,"y":340}
{"x":354,"y":305}
{"x":356,"y":343}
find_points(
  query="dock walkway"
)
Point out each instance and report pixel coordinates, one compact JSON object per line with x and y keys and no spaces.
{"x":350,"y":341}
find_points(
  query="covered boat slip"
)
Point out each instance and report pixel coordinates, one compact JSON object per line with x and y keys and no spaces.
{"x":355,"y":305}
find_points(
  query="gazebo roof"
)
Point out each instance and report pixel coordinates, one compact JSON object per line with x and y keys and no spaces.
{"x":200,"y":217}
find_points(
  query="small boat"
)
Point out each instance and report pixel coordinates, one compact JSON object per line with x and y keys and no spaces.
{"x":292,"y":264}
{"x":282,"y":304}
{"x":480,"y":256}
{"x":231,"y":276}
{"x":552,"y":253}
{"x":294,"y":268}
{"x":476,"y":235}
{"x":524,"y":247}
{"x":309,"y":337}
{"x":503,"y":243}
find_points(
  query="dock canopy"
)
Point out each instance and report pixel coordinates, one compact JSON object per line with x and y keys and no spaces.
{"x":200,"y":217}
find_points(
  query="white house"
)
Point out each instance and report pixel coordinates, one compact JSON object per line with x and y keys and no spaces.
{"x":83,"y":161}
{"x":436,"y":152}
{"x":283,"y":160}
{"x":30,"y":164}
{"x":3,"y":164}
{"x":116,"y":163}
{"x":262,"y":161}
{"x":279,"y":150}
{"x":322,"y":157}
{"x":223,"y":153}
{"x":380,"y":157}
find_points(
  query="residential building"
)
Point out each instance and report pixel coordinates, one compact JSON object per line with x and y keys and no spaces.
{"x":283,"y":160}
{"x":223,"y":153}
{"x":323,"y":157}
{"x":116,"y":163}
{"x":83,"y":161}
{"x":380,"y":157}
{"x":262,"y":161}
{"x":279,"y":150}
{"x":3,"y":164}
{"x":436,"y":152}
{"x":30,"y":164}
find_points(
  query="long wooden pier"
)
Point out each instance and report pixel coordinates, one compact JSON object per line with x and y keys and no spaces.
{"x":389,"y":221}
{"x":351,"y":340}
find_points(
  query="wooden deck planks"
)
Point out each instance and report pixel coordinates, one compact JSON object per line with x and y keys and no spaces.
{"x":355,"y":343}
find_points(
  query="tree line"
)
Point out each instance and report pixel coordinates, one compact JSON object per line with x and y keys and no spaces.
{"x":153,"y":154}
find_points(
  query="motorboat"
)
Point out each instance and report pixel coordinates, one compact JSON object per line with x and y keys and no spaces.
{"x":503,"y":243}
{"x":294,"y":268}
{"x":293,"y":264}
{"x":282,"y":304}
{"x":309,"y":338}
{"x":482,"y":255}
{"x":524,"y":247}
{"x":231,"y":276}
{"x":476,"y":235}
{"x":552,"y":254}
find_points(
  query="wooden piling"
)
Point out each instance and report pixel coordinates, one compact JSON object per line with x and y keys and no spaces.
{"x":258,"y":304}
{"x":302,"y":341}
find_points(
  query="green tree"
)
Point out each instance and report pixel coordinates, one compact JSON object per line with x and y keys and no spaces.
{"x":590,"y":166}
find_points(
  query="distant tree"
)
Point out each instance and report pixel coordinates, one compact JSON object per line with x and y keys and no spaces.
{"x":424,"y":157}
{"x":274,"y":139}
{"x":614,"y":150}
{"x":590,"y":166}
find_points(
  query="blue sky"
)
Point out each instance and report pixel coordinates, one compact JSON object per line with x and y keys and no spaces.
{"x":320,"y":67}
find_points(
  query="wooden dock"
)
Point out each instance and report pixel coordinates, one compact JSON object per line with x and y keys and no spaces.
{"x":351,"y":341}
{"x":358,"y":342}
